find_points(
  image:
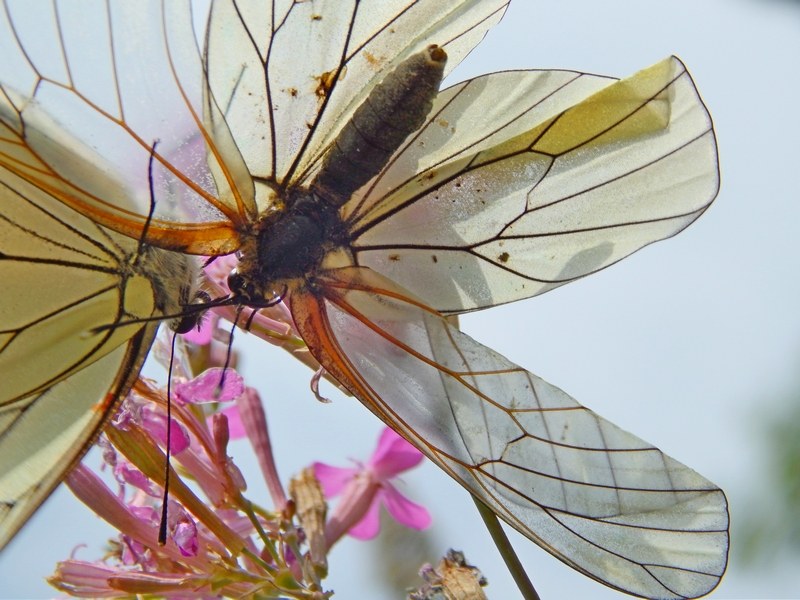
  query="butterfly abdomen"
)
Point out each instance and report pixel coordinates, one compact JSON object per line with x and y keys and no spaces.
{"x":394,"y":109}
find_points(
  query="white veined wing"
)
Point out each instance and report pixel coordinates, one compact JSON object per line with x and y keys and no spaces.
{"x":145,"y":89}
{"x":520,"y":182}
{"x":64,"y":277}
{"x":602,"y":500}
{"x":282,"y":123}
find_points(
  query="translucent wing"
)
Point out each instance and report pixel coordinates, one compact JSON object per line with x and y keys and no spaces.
{"x":63,"y":277}
{"x":152,"y":88}
{"x":42,"y":436}
{"x":137,"y":85}
{"x":523,"y":181}
{"x":283,"y":122}
{"x":600,"y":499}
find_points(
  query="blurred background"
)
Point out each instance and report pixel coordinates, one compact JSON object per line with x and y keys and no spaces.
{"x":692,"y":344}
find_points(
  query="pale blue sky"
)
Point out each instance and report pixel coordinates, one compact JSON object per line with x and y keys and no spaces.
{"x":685,"y":344}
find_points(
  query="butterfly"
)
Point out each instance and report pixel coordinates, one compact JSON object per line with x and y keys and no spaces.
{"x":492,"y":190}
{"x":74,"y":331}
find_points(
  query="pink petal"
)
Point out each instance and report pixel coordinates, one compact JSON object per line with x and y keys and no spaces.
{"x":254,"y":421}
{"x":183,"y":530}
{"x":125,"y":472}
{"x":155,"y":423}
{"x":94,"y":493}
{"x":236,"y":430}
{"x":205,"y":387}
{"x":393,"y":455}
{"x":219,"y":268}
{"x":147,"y":514}
{"x":163,"y":585}
{"x":333,"y":479}
{"x":357,"y":499}
{"x":129,"y":414}
{"x":403,"y":510}
{"x":135,"y":553}
{"x":369,"y":526}
{"x":85,"y":579}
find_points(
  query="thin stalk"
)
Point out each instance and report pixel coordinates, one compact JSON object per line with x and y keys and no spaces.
{"x":507,"y":551}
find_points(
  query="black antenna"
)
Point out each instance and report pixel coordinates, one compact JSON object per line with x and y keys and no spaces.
{"x":152,"y":211}
{"x":162,"y":528}
{"x":228,"y":354}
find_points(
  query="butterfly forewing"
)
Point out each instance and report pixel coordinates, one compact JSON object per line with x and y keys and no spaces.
{"x":559,"y":186}
{"x":513,"y":102}
{"x":597,"y":497}
{"x":65,"y":277}
{"x":284,"y":122}
{"x":147,"y":91}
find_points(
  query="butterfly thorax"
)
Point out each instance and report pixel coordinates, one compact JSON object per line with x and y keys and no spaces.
{"x":288,"y":245}
{"x":292,"y":243}
{"x":174,"y":278}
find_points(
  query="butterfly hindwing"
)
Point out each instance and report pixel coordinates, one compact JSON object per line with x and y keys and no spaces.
{"x":597,"y":497}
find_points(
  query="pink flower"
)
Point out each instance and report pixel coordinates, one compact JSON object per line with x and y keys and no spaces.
{"x":236,"y":429}
{"x":366,"y":487}
{"x":218,"y":544}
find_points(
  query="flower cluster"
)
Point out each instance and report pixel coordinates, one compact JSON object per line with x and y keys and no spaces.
{"x":212,"y":541}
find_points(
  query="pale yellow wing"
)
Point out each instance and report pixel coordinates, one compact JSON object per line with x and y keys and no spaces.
{"x":520,"y":182}
{"x":43,"y":435}
{"x":64,"y":277}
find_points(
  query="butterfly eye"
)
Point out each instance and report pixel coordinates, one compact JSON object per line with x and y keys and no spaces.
{"x":192,"y":319}
{"x":241,"y":286}
{"x":185,"y":324}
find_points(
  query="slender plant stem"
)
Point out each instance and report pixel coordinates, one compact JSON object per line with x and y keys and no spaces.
{"x":507,"y":551}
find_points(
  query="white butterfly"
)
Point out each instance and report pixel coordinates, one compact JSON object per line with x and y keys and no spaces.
{"x":64,"y":277}
{"x":515,"y":183}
